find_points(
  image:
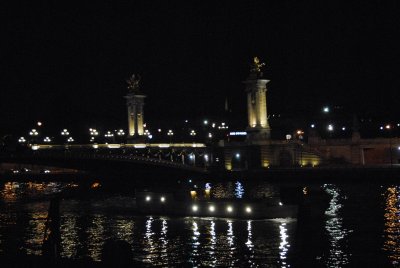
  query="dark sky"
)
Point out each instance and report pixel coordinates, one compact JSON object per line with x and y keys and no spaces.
{"x":66,"y":65}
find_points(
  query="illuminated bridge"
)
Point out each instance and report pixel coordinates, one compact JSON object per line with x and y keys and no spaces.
{"x":119,"y":159}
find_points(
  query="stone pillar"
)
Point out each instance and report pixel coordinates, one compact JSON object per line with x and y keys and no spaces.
{"x":258,"y":126}
{"x":135,"y":103}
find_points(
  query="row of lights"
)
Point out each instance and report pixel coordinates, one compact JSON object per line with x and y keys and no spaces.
{"x":195,"y":208}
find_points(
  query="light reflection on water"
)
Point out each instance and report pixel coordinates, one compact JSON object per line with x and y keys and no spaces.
{"x":392,"y":225}
{"x":338,"y":235}
{"x":175,"y":242}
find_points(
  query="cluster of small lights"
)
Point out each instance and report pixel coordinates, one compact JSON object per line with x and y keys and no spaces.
{"x":33,"y":132}
{"x":64,"y":132}
{"x":21,"y":140}
{"x":93,"y":132}
{"x":223,"y":126}
{"x":192,"y":133}
{"x":330,"y":127}
{"x":109,"y":134}
{"x":120,"y":132}
{"x":170,"y":132}
{"x":70,"y":139}
{"x":47,"y":139}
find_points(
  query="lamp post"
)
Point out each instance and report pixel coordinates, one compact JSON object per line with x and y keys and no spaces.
{"x":389,"y":128}
{"x":170,"y":135}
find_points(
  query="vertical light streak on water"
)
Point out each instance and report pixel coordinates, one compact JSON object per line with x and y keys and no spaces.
{"x":149,"y":242}
{"x":164,"y":239}
{"x":283,"y":245}
{"x":96,"y":238}
{"x":230,"y":236}
{"x":35,"y":233}
{"x":337,"y":257}
{"x":249,"y":243}
{"x":392,"y":225}
{"x":195,"y":245}
{"x":213,"y":241}
{"x":69,"y":237}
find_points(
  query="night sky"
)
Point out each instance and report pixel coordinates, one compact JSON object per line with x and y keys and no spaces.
{"x":66,"y":65}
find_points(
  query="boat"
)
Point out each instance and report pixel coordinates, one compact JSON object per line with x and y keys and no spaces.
{"x":171,"y":204}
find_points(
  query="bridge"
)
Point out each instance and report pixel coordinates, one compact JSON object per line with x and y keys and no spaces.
{"x":137,"y":160}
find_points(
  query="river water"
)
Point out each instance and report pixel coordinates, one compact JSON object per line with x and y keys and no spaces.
{"x":339,"y":225}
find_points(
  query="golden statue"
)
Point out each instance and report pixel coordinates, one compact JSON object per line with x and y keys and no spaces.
{"x":256,"y":66}
{"x":133,"y":83}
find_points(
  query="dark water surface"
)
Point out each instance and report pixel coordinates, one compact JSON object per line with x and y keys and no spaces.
{"x":339,"y":225}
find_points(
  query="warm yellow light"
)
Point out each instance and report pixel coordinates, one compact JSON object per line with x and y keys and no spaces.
{"x":195,"y":208}
{"x":248,"y":209}
{"x":229,"y":209}
{"x":95,"y":185}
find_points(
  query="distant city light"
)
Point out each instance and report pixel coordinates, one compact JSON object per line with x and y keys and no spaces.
{"x":237,"y":156}
{"x":288,"y":136}
{"x":205,"y":122}
{"x":148,"y":198}
{"x":210,"y":135}
{"x":326,"y":109}
{"x":39,"y":123}
{"x":121,"y":132}
{"x":70,"y":139}
{"x":211,"y":208}
{"x":21,"y":140}
{"x":312,"y":125}
{"x":343,"y":128}
{"x":229,"y":209}
{"x":162,"y":199}
{"x":248,"y":209}
{"x":388,"y":126}
{"x":195,"y":208}
{"x":192,"y":133}
{"x":330,"y":127}
{"x":47,"y":139}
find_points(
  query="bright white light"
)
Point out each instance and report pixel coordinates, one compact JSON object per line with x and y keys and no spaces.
{"x":237,"y":155}
{"x":148,"y":198}
{"x":159,"y":130}
{"x":288,"y":136}
{"x":211,"y":208}
{"x":330,"y":127}
{"x":229,"y":209}
{"x":312,"y":125}
{"x":388,"y":127}
{"x":248,"y":209}
{"x":195,"y":208}
{"x":39,"y":123}
{"x":162,"y":199}
{"x":280,"y":203}
{"x":326,"y":109}
{"x":205,"y":122}
{"x":343,"y":128}
{"x":22,"y":139}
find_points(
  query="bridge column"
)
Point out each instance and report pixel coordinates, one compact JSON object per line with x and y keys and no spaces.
{"x":135,"y":103}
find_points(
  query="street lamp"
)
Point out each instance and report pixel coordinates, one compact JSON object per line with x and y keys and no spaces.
{"x":70,"y":139}
{"x":47,"y":139}
{"x":21,"y":140}
{"x":64,"y":132}
{"x":170,"y":133}
{"x":33,"y":132}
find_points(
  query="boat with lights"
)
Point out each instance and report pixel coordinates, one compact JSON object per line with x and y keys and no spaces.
{"x":171,"y":204}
